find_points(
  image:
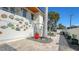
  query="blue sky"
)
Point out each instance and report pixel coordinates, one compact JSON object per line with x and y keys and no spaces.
{"x":65,"y":13}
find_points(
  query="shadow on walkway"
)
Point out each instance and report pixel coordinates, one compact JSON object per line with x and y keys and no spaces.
{"x":6,"y":47}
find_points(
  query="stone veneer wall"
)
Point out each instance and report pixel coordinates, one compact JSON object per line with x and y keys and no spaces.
{"x":14,"y":26}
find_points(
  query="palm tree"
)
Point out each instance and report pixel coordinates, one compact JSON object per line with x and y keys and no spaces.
{"x":60,"y":26}
{"x":54,"y":17}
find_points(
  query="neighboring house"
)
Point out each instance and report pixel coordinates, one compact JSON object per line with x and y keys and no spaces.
{"x":17,"y":22}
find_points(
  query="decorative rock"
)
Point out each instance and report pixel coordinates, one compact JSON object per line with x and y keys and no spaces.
{"x":20,"y":22}
{"x":24,"y":29}
{"x":4,"y":16}
{"x":17,"y":19}
{"x":17,"y":25}
{"x":0,"y":32}
{"x":26,"y":23}
{"x":21,"y":19}
{"x":17,"y":29}
{"x":10,"y":25}
{"x":29,"y":25}
{"x":11,"y":16}
{"x":3,"y":27}
{"x":21,"y":27}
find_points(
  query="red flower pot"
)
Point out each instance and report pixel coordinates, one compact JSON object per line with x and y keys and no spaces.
{"x":36,"y":36}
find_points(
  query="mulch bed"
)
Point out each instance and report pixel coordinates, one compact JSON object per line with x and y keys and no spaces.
{"x":41,"y":40}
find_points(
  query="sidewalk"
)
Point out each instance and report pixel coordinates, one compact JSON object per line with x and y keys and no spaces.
{"x":63,"y":45}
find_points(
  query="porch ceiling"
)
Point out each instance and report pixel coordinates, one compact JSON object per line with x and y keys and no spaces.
{"x":33,"y":9}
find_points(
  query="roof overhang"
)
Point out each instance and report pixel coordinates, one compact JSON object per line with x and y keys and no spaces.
{"x":35,"y":10}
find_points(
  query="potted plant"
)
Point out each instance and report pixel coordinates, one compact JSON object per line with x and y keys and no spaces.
{"x":68,"y":37}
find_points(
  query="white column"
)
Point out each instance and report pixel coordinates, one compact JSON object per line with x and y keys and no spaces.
{"x":45,"y":23}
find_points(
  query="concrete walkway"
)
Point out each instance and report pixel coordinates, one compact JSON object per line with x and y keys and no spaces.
{"x":63,"y":45}
{"x":58,"y":43}
{"x":30,"y":45}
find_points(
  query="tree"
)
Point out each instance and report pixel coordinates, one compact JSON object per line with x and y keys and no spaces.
{"x":54,"y":17}
{"x":60,"y":26}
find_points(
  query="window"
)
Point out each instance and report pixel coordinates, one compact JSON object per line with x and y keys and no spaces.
{"x":32,"y":16}
{"x":12,"y":10}
{"x":5,"y":9}
{"x":18,"y":11}
{"x":24,"y":13}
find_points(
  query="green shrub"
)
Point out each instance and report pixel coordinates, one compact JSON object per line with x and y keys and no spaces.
{"x":74,"y":36}
{"x":51,"y":34}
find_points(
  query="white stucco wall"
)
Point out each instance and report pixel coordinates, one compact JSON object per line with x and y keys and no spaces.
{"x":8,"y":33}
{"x":39,"y":22}
{"x":40,"y":19}
{"x":28,"y":16}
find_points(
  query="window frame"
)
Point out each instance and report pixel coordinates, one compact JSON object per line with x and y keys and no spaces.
{"x":24,"y":12}
{"x":3,"y":8}
{"x":11,"y":10}
{"x":32,"y":16}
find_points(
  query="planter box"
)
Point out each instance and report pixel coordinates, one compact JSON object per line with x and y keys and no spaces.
{"x":74,"y":42}
{"x":68,"y":37}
